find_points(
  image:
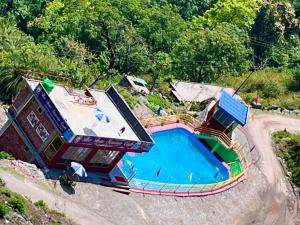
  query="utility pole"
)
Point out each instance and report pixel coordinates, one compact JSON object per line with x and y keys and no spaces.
{"x":260,"y":67}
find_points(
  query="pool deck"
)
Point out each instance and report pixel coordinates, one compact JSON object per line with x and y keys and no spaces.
{"x":169,"y":126}
{"x":232,"y":181}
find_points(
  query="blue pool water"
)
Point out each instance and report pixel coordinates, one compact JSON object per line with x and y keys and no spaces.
{"x":177,"y":153}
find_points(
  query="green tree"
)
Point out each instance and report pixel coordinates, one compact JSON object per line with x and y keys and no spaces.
{"x":275,"y":33}
{"x":161,"y":27}
{"x":202,"y":54}
{"x":161,"y":66}
{"x":238,"y":12}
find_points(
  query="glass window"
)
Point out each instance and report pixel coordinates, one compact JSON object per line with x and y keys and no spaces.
{"x":53,"y":148}
{"x":223,"y":117}
{"x":77,"y":154}
{"x":42,"y":132}
{"x":103,"y":158}
{"x":57,"y":143}
{"x":32,"y":119}
{"x":50,"y":152}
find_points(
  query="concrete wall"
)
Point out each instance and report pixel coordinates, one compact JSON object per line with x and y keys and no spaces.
{"x":11,"y":142}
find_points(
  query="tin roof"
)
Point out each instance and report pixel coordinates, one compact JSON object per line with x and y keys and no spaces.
{"x":235,"y":108}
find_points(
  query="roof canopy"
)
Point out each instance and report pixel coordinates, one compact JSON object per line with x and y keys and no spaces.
{"x":235,"y":108}
{"x":139,"y":80}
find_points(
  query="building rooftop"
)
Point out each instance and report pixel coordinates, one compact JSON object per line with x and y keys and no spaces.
{"x":235,"y":108}
{"x":196,"y":92}
{"x":79,"y":109}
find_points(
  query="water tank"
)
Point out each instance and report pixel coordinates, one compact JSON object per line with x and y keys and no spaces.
{"x":48,"y":85}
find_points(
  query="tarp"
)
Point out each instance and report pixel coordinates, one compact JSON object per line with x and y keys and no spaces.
{"x":139,"y":80}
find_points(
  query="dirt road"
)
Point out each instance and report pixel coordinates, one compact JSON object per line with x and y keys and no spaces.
{"x":265,"y":198}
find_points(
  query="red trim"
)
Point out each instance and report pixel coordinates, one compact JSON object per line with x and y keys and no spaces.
{"x":60,"y":153}
{"x":91,"y":155}
{"x":108,"y":148}
{"x":53,"y":163}
{"x":116,"y":160}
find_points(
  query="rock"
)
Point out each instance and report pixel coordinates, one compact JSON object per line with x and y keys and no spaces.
{"x":256,"y":105}
{"x":192,"y":113}
{"x":273,"y":107}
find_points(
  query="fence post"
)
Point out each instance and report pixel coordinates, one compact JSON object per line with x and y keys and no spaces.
{"x":177,"y":188}
{"x":165,"y":184}
{"x":191,"y":188}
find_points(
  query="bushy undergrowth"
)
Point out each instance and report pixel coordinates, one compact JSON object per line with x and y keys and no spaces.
{"x":18,"y":203}
{"x":4,"y":209}
{"x":129,"y":98}
{"x":274,"y":87}
{"x":289,"y":151}
{"x":5,"y":155}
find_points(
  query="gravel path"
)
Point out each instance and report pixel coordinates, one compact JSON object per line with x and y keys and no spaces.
{"x":265,"y":198}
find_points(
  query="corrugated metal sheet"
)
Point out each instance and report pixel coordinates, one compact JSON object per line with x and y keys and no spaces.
{"x":234,"y":107}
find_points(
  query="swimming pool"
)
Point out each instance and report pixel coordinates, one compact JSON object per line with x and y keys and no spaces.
{"x":177,"y":157}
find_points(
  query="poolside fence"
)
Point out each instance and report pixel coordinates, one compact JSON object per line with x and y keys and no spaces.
{"x":138,"y":185}
{"x":191,"y":189}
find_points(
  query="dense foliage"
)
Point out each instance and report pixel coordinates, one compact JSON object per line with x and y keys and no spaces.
{"x":289,"y":151}
{"x":91,"y":40}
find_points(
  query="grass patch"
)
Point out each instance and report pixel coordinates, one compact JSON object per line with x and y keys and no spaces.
{"x":41,"y":204}
{"x":272,"y":86}
{"x":289,"y":150}
{"x":6,"y":192}
{"x":129,"y":98}
{"x":18,"y":203}
{"x":4,"y":209}
{"x":5,"y":155}
{"x":155,"y":100}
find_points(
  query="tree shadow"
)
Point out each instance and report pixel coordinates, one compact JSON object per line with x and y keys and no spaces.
{"x":68,"y":189}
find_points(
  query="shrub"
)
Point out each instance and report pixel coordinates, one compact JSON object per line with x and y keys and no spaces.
{"x":199,"y":106}
{"x":5,"y":155}
{"x":41,"y":204}
{"x":131,"y":100}
{"x":156,"y":100}
{"x":18,"y":203}
{"x":271,"y":90}
{"x":4,"y":209}
{"x":6,"y":192}
{"x":57,"y":223}
{"x":289,"y":145}
{"x":2,"y":182}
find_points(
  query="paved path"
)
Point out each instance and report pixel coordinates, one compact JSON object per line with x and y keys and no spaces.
{"x":265,"y":198}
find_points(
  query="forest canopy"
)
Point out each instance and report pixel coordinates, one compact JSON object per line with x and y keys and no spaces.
{"x":88,"y":40}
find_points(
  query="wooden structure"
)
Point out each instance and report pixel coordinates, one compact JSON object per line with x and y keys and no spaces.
{"x":226,"y":114}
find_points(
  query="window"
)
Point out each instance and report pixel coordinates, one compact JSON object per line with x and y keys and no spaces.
{"x":40,"y":109}
{"x":32,"y":119}
{"x":77,"y":154}
{"x":223,"y":117}
{"x":53,"y":148}
{"x":42,"y":132}
{"x":103,"y":158}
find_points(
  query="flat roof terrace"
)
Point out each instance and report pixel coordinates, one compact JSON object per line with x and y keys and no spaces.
{"x":81,"y":117}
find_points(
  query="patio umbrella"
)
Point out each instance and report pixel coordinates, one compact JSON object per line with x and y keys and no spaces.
{"x":101,"y":116}
{"x":79,"y":169}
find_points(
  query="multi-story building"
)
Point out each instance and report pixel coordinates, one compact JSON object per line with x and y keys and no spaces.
{"x":52,"y":125}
